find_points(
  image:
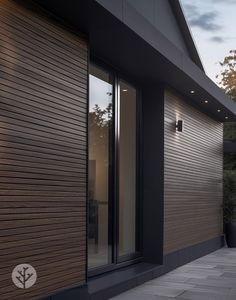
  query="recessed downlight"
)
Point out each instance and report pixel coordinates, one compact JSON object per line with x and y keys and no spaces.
{"x":206,"y":101}
{"x":218,"y":110}
{"x":192,"y":92}
{"x":226,"y":118}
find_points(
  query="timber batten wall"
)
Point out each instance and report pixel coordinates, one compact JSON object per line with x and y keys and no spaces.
{"x":43,"y":151}
{"x":193,"y":176}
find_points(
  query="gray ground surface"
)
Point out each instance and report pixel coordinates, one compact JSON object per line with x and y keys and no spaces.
{"x":212,"y":277}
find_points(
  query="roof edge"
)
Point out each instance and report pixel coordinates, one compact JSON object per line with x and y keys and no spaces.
{"x":188,"y":38}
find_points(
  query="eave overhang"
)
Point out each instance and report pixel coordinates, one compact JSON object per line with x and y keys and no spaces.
{"x":127,"y":41}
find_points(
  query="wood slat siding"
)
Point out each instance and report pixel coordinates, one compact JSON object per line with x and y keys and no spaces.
{"x":43,"y":150}
{"x":193,"y":176}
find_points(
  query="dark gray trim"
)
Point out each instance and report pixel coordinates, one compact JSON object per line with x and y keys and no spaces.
{"x":181,"y":20}
{"x":153,"y":172}
{"x":71,"y":294}
{"x":112,"y":284}
{"x":118,"y":7}
{"x":138,"y":49}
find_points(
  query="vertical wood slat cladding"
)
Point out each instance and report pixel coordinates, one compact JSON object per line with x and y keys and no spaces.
{"x":193,"y":176}
{"x":43,"y":150}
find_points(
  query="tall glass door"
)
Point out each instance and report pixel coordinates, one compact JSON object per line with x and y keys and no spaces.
{"x":112,"y":203}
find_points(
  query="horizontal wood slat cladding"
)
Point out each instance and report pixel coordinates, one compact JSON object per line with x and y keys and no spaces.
{"x":193,"y":176}
{"x":43,"y":150}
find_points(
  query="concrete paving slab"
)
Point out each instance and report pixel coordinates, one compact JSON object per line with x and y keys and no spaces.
{"x":212,"y":277}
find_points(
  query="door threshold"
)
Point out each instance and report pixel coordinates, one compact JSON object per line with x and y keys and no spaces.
{"x":113,"y":283}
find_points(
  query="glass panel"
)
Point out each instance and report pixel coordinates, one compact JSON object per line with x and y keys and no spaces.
{"x":127,"y":170}
{"x":100,"y":118}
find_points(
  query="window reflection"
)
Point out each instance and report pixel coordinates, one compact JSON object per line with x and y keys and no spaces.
{"x":111,"y":202}
{"x":100,"y":118}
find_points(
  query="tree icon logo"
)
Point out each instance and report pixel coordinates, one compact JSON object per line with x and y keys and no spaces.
{"x":24,"y":276}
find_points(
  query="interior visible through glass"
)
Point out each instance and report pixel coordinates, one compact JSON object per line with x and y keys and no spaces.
{"x":100,"y":118}
{"x":127,"y":170}
{"x":112,"y":169}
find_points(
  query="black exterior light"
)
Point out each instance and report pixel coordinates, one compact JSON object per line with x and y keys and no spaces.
{"x":179,"y":125}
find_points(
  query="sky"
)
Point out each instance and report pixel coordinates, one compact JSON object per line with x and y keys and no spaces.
{"x":213,"y":26}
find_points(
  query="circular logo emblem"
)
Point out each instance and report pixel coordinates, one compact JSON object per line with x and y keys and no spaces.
{"x":24,"y":276}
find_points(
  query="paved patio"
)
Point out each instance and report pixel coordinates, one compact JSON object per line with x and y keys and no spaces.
{"x":212,"y":277}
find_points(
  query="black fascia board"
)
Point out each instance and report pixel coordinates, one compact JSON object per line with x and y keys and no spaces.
{"x":132,"y":45}
{"x":181,"y":20}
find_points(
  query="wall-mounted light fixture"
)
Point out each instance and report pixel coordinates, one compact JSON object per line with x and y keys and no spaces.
{"x":179,"y":126}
